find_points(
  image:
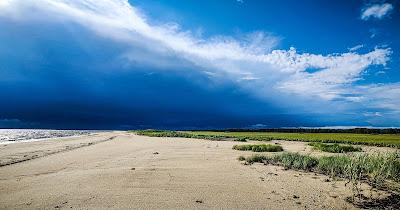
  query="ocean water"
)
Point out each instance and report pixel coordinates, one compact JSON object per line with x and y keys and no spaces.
{"x":18,"y":135}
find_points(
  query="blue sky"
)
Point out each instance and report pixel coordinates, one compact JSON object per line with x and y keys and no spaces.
{"x":199,"y":64}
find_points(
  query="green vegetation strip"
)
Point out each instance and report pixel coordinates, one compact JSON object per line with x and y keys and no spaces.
{"x":389,"y":140}
{"x":379,"y":170}
{"x":258,"y":147}
{"x":218,"y":137}
{"x":334,"y":148}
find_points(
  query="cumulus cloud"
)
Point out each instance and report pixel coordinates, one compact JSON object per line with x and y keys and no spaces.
{"x":335,"y":74}
{"x":251,"y":62}
{"x":377,"y":11}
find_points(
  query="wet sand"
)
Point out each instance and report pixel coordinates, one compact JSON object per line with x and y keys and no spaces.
{"x":119,"y":170}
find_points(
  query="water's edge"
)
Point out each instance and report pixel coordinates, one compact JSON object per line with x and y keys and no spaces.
{"x":10,"y":136}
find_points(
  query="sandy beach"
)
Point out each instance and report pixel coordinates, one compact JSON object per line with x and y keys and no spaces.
{"x":120,"y":170}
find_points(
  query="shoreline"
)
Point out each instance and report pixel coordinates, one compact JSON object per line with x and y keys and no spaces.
{"x":23,"y":151}
{"x":91,"y":132}
{"x":43,"y":139}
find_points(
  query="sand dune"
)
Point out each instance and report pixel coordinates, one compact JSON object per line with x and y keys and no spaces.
{"x":137,"y":172}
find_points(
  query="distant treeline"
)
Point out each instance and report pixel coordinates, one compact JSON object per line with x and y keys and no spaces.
{"x":321,"y":130}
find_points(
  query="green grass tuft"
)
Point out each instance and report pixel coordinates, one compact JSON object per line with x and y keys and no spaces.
{"x":379,"y":170}
{"x":334,"y":148}
{"x":256,"y":159}
{"x":258,"y":147}
{"x":241,"y":158}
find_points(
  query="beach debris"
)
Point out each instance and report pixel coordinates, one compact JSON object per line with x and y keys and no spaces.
{"x":59,"y":206}
{"x":199,"y":201}
{"x":155,"y":153}
{"x":295,"y":197}
{"x":133,"y":169}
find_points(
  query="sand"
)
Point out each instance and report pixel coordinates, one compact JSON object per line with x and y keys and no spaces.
{"x":20,"y":152}
{"x":118,"y":170}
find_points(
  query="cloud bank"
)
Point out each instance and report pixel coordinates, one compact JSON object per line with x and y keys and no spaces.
{"x":302,"y":81}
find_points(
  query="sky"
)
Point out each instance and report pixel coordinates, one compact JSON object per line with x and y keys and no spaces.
{"x":186,"y":64}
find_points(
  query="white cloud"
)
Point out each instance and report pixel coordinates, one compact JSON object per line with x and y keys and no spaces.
{"x":4,"y":3}
{"x":249,"y":78}
{"x":335,"y":74}
{"x":355,"y":48}
{"x":250,"y":62}
{"x":373,"y":33}
{"x":382,"y":96}
{"x":372,"y":114}
{"x":377,"y":11}
{"x":380,"y":73}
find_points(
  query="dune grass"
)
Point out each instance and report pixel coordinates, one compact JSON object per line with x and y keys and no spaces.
{"x":334,"y":148}
{"x":389,"y":140}
{"x":380,"y":171}
{"x":258,"y":147}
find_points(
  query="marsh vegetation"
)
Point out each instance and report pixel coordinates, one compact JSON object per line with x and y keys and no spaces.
{"x":258,"y":147}
{"x":382,"y":140}
{"x":334,"y":148}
